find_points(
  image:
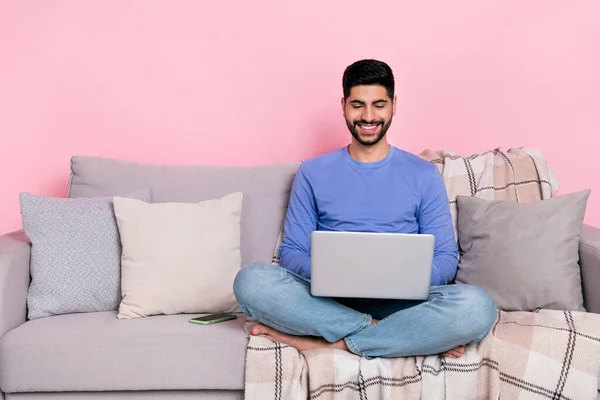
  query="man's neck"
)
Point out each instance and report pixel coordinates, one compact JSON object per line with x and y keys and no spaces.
{"x":365,"y":154}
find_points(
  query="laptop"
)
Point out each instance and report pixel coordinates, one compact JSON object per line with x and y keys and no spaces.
{"x":371,"y":265}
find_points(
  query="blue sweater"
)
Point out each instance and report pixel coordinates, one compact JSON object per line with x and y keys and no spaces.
{"x":401,"y":193}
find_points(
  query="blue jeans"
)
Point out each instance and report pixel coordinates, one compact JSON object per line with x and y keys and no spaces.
{"x":453,"y":315}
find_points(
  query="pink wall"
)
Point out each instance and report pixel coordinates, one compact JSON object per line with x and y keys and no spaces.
{"x":260,"y":82}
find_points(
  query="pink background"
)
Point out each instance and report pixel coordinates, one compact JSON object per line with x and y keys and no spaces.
{"x":259,"y":82}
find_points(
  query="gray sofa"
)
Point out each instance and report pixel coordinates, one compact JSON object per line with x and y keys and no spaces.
{"x":95,"y":355}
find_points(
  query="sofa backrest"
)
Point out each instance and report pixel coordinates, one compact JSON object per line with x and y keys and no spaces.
{"x":266,"y":191}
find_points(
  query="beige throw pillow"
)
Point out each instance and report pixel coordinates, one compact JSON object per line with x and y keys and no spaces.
{"x":178,"y":257}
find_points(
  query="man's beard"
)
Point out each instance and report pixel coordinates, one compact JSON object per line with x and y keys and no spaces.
{"x":371,"y":141}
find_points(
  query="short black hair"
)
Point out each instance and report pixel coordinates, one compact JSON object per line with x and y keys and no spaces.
{"x":368,"y":72}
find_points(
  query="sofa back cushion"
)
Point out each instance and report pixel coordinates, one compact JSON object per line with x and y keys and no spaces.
{"x":266,"y":190}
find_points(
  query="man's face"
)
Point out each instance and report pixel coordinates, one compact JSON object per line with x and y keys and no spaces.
{"x":368,"y":112}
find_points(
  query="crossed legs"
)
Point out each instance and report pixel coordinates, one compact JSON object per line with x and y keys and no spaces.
{"x":452,"y":316}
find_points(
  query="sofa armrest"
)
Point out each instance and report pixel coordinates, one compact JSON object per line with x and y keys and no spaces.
{"x":589,"y":259}
{"x":15,"y":250}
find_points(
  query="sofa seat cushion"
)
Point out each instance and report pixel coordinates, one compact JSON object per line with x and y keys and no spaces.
{"x":98,"y":352}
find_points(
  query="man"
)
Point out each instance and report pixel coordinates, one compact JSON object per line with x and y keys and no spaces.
{"x":368,"y":186}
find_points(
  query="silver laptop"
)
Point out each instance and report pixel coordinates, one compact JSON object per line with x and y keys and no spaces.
{"x":371,"y":265}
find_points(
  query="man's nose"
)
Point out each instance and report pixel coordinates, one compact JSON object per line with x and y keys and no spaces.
{"x":368,"y":114}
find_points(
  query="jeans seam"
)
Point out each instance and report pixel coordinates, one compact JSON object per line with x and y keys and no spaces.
{"x":285,"y":273}
{"x":352,"y":346}
{"x":348,"y":339}
{"x":366,"y":324}
{"x":368,"y":320}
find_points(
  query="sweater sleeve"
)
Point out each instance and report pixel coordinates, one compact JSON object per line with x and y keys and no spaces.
{"x":435,"y":218}
{"x":300,"y":222}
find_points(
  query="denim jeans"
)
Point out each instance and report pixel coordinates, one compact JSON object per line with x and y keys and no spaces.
{"x":453,"y":315}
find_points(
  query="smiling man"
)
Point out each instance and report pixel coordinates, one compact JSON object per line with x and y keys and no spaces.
{"x":367,"y":186}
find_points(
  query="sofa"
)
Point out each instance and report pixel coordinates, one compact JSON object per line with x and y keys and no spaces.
{"x":95,"y":355}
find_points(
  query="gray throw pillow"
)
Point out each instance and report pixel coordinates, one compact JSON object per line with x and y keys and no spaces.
{"x":524,"y":254}
{"x":75,"y":253}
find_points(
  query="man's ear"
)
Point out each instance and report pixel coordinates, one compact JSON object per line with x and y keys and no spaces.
{"x":395,"y":101}
{"x":344,"y":106}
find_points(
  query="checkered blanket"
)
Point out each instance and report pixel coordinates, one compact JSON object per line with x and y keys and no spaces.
{"x":544,"y":354}
{"x":528,"y":355}
{"x":517,"y":174}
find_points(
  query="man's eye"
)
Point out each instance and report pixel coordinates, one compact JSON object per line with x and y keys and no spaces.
{"x":380,"y":106}
{"x":356,"y":106}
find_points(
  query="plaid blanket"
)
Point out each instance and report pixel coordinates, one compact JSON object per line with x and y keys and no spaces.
{"x":546,"y":354}
{"x":528,"y":355}
{"x":517,"y":174}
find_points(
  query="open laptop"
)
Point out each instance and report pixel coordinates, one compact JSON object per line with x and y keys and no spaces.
{"x":371,"y":265}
